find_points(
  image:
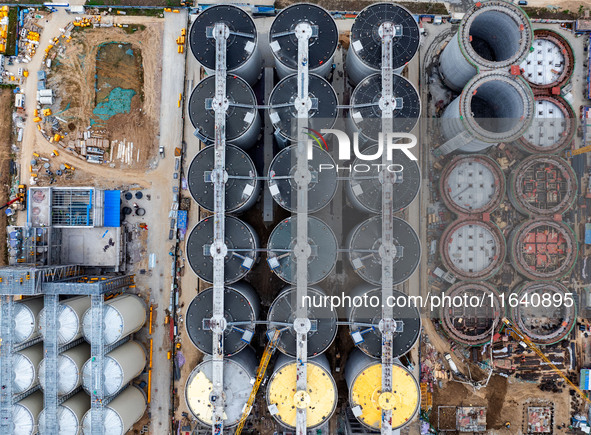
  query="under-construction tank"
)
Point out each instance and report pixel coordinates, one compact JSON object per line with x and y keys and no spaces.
{"x":243,"y":123}
{"x":493,"y":34}
{"x":242,"y":51}
{"x":242,"y":187}
{"x":25,"y":314}
{"x":494,"y":107}
{"x":321,"y":189}
{"x":320,"y":396}
{"x":121,"y":414}
{"x":283,"y":113}
{"x":69,"y":319}
{"x":365,"y":50}
{"x":122,"y":316}
{"x":69,"y":369}
{"x":239,"y":375}
{"x":24,"y":368}
{"x":282,"y":314}
{"x":365,"y":241}
{"x":321,"y":45}
{"x":366,"y":114}
{"x":69,"y":415}
{"x":25,"y":414}
{"x":121,"y":366}
{"x":241,"y":304}
{"x":364,"y":380}
{"x":369,"y":338}
{"x":239,"y":236}
{"x":282,"y":245}
{"x":364,"y":187}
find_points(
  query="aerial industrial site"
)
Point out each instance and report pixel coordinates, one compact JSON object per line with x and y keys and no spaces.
{"x":335,"y":218}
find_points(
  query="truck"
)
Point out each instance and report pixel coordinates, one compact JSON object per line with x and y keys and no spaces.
{"x":452,"y":364}
{"x":161,"y":151}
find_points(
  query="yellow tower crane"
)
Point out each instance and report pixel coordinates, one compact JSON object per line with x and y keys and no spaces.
{"x":570,"y":153}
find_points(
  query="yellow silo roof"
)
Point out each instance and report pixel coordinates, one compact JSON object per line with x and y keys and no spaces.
{"x":198,"y":391}
{"x":321,"y":392}
{"x":367,"y":391}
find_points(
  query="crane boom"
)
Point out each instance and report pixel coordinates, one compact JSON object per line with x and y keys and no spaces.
{"x":522,"y":337}
{"x":571,"y":153}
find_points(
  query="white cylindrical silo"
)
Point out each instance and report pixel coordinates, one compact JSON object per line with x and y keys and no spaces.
{"x":25,"y":414}
{"x":69,"y":416}
{"x":25,"y":319}
{"x":122,"y":316}
{"x":24,"y":368}
{"x":69,"y":369}
{"x":121,"y":414}
{"x":69,"y":319}
{"x":121,"y":366}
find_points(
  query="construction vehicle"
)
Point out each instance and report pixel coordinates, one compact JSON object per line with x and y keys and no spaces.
{"x":571,"y":153}
{"x":526,"y":342}
{"x":269,"y":350}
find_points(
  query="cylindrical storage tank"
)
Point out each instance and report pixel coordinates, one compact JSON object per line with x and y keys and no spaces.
{"x":494,"y":107}
{"x":25,"y":319}
{"x":553,"y":127}
{"x":283,"y":187}
{"x":69,"y":319}
{"x":365,"y":50}
{"x":122,"y":316}
{"x":543,"y":249}
{"x":472,"y":323}
{"x":282,"y":311}
{"x":366,"y":113}
{"x":243,"y":123}
{"x":364,"y":188}
{"x":239,"y":236}
{"x":121,"y":414}
{"x":365,"y":241}
{"x":24,"y":368}
{"x":542,"y":186}
{"x":548,"y":316}
{"x":242,"y":51}
{"x":364,"y":380}
{"x":323,"y":250}
{"x":283,"y":113}
{"x":472,"y":249}
{"x":551,"y":61}
{"x":493,"y":35}
{"x":321,"y":45}
{"x":239,"y":375}
{"x":25,"y":414}
{"x":121,"y":366}
{"x":241,"y":304}
{"x":69,"y":416}
{"x":320,"y":396}
{"x":472,"y":185}
{"x":242,"y":188}
{"x":69,"y":369}
{"x":370,"y":312}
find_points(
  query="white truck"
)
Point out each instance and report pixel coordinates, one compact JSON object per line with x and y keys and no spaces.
{"x":452,"y":364}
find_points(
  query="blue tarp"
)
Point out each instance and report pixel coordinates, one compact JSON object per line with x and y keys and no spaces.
{"x":588,"y":234}
{"x":182,"y":220}
{"x":112,"y":209}
{"x":585,"y":383}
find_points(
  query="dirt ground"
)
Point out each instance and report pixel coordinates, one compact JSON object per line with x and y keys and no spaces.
{"x":5,"y":129}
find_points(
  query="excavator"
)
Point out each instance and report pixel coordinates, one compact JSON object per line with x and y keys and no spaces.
{"x":20,"y":196}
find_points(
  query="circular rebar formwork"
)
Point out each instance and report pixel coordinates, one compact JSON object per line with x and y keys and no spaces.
{"x":472,"y":323}
{"x":69,"y":319}
{"x":543,"y":249}
{"x":549,"y":316}
{"x":365,"y":50}
{"x":25,"y":414}
{"x":69,"y":415}
{"x":241,"y":242}
{"x":242,"y":188}
{"x":365,"y":241}
{"x":282,"y":315}
{"x":472,"y":184}
{"x":69,"y":369}
{"x":321,"y":46}
{"x":282,"y":246}
{"x":242,"y":52}
{"x":25,"y":319}
{"x":542,"y":186}
{"x":241,"y":304}
{"x":243,"y":123}
{"x":472,"y":249}
{"x":24,"y":368}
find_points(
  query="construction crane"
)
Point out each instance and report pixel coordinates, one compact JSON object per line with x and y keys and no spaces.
{"x":570,"y":153}
{"x":269,"y":351}
{"x":520,"y":336}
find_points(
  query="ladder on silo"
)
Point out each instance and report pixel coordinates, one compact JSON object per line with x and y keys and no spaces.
{"x":6,"y":331}
{"x":97,"y":349}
